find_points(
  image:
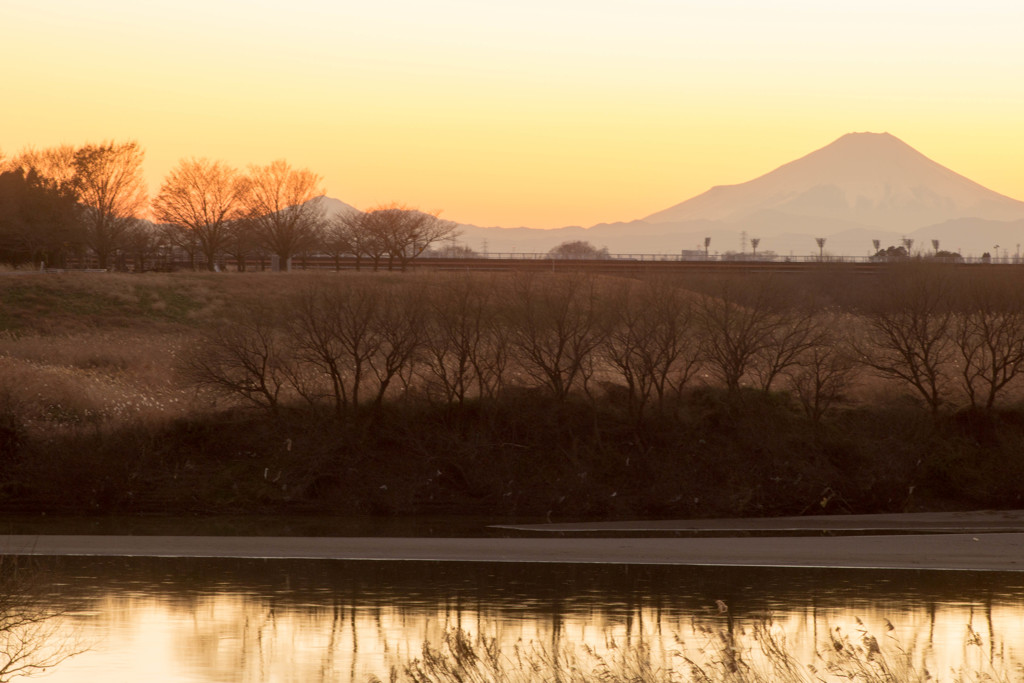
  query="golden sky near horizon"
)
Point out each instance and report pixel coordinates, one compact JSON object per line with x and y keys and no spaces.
{"x":536,"y":112}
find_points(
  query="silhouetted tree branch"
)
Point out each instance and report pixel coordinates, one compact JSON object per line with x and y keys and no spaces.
{"x":910,"y":332}
{"x":32,"y":637}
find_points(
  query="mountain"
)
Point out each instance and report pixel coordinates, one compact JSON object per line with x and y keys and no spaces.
{"x":871,"y":180}
{"x":334,"y":207}
{"x":860,"y":188}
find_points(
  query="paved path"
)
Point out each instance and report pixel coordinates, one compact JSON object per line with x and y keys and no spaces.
{"x":974,"y":521}
{"x":982,"y":551}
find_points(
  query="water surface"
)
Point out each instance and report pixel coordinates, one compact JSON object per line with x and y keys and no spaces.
{"x":164,"y":620}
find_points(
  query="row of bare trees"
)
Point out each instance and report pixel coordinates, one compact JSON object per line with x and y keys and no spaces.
{"x":354,"y":342}
{"x":94,"y":199}
{"x":946,"y":337}
{"x":212,"y":210}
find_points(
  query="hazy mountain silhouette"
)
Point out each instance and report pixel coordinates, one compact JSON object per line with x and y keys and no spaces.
{"x":859,"y":188}
{"x":867,"y":179}
{"x":334,"y":207}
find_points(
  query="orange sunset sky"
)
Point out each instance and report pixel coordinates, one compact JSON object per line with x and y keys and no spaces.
{"x":536,"y":112}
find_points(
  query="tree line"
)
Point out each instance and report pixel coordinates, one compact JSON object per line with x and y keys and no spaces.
{"x":70,"y":203}
{"x":349,"y":345}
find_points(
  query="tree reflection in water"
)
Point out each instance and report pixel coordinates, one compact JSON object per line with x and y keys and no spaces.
{"x":33,"y":635}
{"x":287,"y":621}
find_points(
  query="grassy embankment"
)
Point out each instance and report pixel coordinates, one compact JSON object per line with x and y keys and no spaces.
{"x":100,"y":411}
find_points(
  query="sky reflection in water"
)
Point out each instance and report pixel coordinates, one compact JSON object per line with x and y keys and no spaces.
{"x":256,"y":620}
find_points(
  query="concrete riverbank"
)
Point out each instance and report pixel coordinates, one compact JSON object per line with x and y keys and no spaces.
{"x":950,"y":541}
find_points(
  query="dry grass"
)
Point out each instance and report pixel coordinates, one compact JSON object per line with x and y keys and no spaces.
{"x":101,"y":349}
{"x":93,"y":378}
{"x":754,"y":652}
{"x":62,"y":396}
{"x":73,"y":303}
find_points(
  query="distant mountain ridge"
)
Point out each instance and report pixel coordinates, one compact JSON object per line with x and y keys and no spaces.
{"x":859,"y":188}
{"x":870,"y":179}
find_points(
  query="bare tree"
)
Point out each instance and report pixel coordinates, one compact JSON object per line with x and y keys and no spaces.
{"x":910,"y":332}
{"x":240,"y":242}
{"x":359,"y":337}
{"x":357,"y":234}
{"x":334,"y":330}
{"x":491,"y":354}
{"x":399,"y":327}
{"x":278,"y":202}
{"x":392,"y":231}
{"x":315,"y":324}
{"x":652,"y":342}
{"x":336,"y":241}
{"x":735,"y":327}
{"x":142,"y":243}
{"x":403,"y":233}
{"x":791,"y":332}
{"x":202,"y":197}
{"x":415,"y":231}
{"x":755,"y":330}
{"x":822,"y":373}
{"x":464,"y":348}
{"x":334,"y":246}
{"x":455,"y":334}
{"x":180,"y":237}
{"x":555,"y":326}
{"x":110,"y":186}
{"x":245,"y":357}
{"x":989,"y":335}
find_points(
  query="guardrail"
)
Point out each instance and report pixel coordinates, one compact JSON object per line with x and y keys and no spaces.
{"x":52,"y":271}
{"x":541,"y":260}
{"x":730,"y":258}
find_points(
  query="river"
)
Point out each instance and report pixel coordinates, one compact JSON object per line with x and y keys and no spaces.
{"x":164,"y":620}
